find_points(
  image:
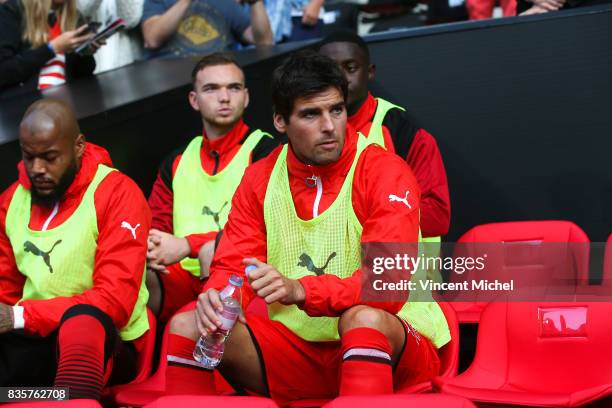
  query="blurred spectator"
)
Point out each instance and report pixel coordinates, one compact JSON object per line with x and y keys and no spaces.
{"x":199,"y":27}
{"x":124,"y":47}
{"x":525,"y":7}
{"x":306,"y":19}
{"x":37,"y":40}
{"x":296,"y":20}
{"x":483,"y":9}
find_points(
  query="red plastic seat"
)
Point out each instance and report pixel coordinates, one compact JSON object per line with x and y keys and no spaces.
{"x":147,"y":391}
{"x":402,"y":401}
{"x":187,"y":401}
{"x":145,"y":358}
{"x":607,"y":268}
{"x":553,"y":354}
{"x":522,"y":233}
{"x":76,"y":403}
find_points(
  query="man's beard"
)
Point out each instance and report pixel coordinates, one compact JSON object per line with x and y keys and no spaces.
{"x":65,"y":181}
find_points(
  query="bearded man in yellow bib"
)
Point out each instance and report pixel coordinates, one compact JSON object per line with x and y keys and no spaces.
{"x":73,"y":241}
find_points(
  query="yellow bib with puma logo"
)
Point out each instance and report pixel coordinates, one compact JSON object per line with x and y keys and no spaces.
{"x":329,"y":243}
{"x":202,"y":201}
{"x":60,"y":261}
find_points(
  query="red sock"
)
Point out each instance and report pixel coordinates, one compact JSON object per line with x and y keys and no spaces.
{"x":81,"y":357}
{"x":183,"y":374}
{"x":366,"y":365}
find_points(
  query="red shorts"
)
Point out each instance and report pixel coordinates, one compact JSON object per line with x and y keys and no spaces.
{"x":179,"y":287}
{"x":297,"y":369}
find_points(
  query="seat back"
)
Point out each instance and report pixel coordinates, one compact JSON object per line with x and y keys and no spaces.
{"x":529,"y":252}
{"x":607,"y":267}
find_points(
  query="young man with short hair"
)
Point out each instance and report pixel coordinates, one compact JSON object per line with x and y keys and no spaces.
{"x":192,"y":194}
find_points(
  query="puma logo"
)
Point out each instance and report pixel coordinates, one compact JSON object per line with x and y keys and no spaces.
{"x":207,"y":211}
{"x":46,"y":256}
{"x":126,"y":225}
{"x":393,"y":197}
{"x":306,"y":261}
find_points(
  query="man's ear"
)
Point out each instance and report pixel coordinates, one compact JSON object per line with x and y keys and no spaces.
{"x":247,"y":99}
{"x":371,"y":72}
{"x":279,"y":123}
{"x":79,"y":146}
{"x":193,"y":101}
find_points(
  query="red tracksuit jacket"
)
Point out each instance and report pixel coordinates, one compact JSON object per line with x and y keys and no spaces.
{"x":420,"y":150}
{"x":378,"y":174}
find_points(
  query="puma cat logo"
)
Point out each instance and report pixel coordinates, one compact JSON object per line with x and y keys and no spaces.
{"x":393,"y":197}
{"x":207,"y":211}
{"x":46,"y":256}
{"x":126,"y":225}
{"x":306,"y":261}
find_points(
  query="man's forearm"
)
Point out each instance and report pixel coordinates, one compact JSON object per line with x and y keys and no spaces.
{"x":262,"y":33}
{"x":156,"y":30}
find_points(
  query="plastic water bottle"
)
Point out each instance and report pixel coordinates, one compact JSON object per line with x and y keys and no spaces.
{"x":209,"y":349}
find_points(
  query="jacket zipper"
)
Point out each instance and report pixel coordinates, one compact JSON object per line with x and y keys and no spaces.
{"x":51,"y":217}
{"x":215,"y":155}
{"x":315,"y":207}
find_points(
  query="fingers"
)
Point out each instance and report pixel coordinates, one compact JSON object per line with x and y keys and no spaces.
{"x":262,"y":277}
{"x":308,"y":20}
{"x":157,"y":267}
{"x":81,"y":29}
{"x":208,"y":305}
{"x":253,"y":261}
{"x":76,"y":41}
{"x":241,"y":318}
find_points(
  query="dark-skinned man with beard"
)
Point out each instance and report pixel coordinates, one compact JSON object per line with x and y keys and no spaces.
{"x":300,"y":216}
{"x":390,"y":126}
{"x":73,"y":241}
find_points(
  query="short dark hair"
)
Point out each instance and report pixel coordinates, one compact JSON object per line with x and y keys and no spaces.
{"x":303,"y":74}
{"x":346,"y":36}
{"x":217,"y":58}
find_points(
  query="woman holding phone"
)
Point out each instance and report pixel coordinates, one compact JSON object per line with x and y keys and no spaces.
{"x":37,"y":40}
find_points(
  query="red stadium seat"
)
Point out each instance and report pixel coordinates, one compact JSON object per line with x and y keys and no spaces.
{"x":607,"y":268}
{"x":187,"y":401}
{"x":145,"y":358}
{"x":402,"y":401}
{"x":144,"y":392}
{"x":539,"y":354}
{"x":76,"y":403}
{"x":521,"y":233}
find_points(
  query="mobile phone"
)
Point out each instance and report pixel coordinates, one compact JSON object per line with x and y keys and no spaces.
{"x":92,"y":27}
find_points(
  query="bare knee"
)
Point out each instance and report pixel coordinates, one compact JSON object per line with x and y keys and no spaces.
{"x":184,"y":324}
{"x":377,"y":319}
{"x":362,"y":316}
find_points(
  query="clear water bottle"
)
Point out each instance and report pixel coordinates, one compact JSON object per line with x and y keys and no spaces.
{"x":209,"y":349}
